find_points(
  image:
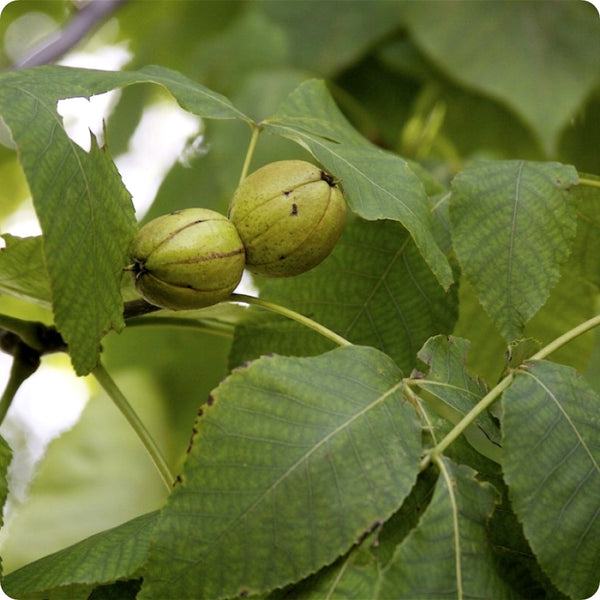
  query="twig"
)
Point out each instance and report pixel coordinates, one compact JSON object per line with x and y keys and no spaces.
{"x":61,"y":42}
{"x":26,"y":361}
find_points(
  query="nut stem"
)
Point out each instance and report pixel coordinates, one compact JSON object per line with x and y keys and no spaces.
{"x":292,"y":314}
{"x":256,"y":129}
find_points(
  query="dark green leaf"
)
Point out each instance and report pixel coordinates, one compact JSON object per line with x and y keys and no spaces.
{"x":22,"y":269}
{"x":374,"y":289}
{"x":513,"y":226}
{"x":377,"y":184}
{"x":448,"y":554}
{"x":586,"y":250}
{"x":551,"y":464}
{"x":73,"y":572}
{"x":514,"y":558}
{"x":582,"y":136}
{"x":293,"y":461}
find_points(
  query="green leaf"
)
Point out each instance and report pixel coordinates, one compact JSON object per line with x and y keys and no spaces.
{"x":72,"y":573}
{"x":448,"y":555}
{"x":22,"y":269}
{"x":552,"y":467}
{"x":582,"y":136}
{"x":449,"y":381}
{"x":586,"y":250}
{"x":513,"y":226}
{"x":374,"y":289}
{"x":293,"y":460}
{"x":325,"y":39}
{"x":377,"y":184}
{"x":572,"y":301}
{"x":84,"y":210}
{"x":14,"y":188}
{"x":488,"y":47}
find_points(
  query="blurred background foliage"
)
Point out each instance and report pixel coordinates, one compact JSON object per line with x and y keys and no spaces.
{"x":441,"y":83}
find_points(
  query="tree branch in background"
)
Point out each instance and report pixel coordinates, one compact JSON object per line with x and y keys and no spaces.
{"x":62,"y":41}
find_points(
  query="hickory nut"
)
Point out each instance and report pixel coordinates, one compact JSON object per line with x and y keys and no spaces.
{"x":289,"y":215}
{"x":187,"y":259}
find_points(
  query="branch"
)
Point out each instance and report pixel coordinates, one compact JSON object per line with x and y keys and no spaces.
{"x":61,"y":42}
{"x":26,"y":361}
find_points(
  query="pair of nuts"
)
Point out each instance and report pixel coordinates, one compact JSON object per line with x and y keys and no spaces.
{"x":284,"y":219}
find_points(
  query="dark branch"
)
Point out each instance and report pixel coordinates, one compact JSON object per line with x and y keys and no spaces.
{"x":61,"y":42}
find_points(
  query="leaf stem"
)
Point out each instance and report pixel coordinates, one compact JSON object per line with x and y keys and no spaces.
{"x":256,"y":129}
{"x":567,"y":337}
{"x":590,"y":182}
{"x":121,"y":402}
{"x":291,"y":314}
{"x":460,"y":427}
